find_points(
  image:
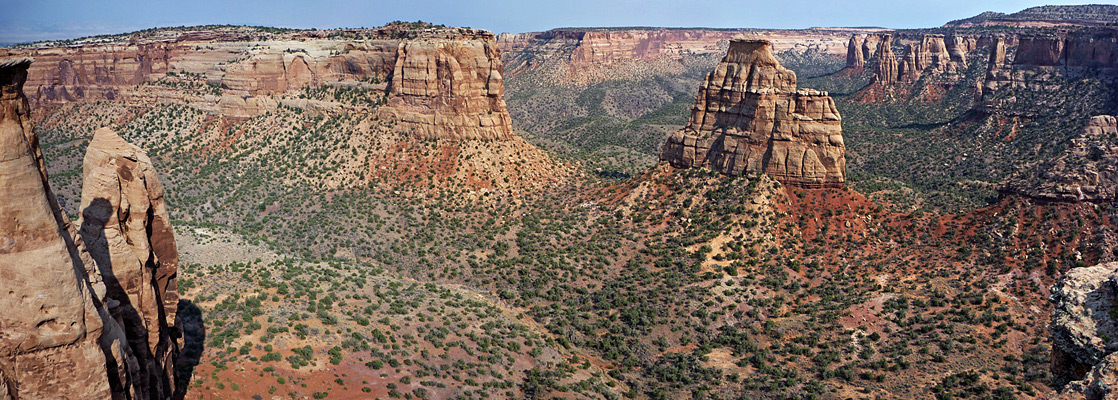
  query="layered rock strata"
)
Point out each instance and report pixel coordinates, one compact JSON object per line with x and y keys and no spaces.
{"x":1085,"y":332}
{"x":437,"y":82}
{"x":598,"y":46}
{"x":932,"y":53}
{"x":1043,"y":63}
{"x":50,"y":341}
{"x":869,"y":45}
{"x":66,"y":331}
{"x":886,"y":68}
{"x":749,"y":118}
{"x":449,"y":88}
{"x":127,"y":230}
{"x":1088,"y":171}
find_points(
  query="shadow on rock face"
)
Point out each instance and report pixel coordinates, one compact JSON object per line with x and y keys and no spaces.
{"x":119,"y":280}
{"x":194,"y":339}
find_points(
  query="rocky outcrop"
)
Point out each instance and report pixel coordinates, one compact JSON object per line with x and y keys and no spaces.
{"x":908,"y":70}
{"x":749,"y":118}
{"x":50,"y":344}
{"x":1088,"y":171}
{"x":449,"y":88}
{"x":957,"y":49}
{"x":932,"y":53}
{"x":63,"y":336}
{"x":1085,"y":332}
{"x":869,"y":44}
{"x":886,"y":68}
{"x":855,"y":58}
{"x":127,"y":230}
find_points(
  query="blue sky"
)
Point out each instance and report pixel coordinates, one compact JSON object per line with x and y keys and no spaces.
{"x":27,"y":20}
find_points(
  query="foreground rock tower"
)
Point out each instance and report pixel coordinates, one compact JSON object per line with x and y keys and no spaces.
{"x":449,"y":88}
{"x":749,"y":117}
{"x":68,"y":327}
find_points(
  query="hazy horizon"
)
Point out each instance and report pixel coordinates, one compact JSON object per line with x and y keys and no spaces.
{"x":68,"y":19}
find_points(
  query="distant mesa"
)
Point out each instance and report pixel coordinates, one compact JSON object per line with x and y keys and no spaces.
{"x":449,"y":88}
{"x":1044,"y":16}
{"x":1085,"y":332}
{"x":435,"y":82}
{"x":749,"y":117}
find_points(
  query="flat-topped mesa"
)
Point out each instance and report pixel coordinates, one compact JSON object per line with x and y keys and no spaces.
{"x":1088,"y":171}
{"x":449,"y":88}
{"x":439,"y":82}
{"x":749,"y":117}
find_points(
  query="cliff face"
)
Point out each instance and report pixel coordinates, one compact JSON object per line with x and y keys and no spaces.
{"x":449,"y":88}
{"x":443,"y":82}
{"x":63,"y":334}
{"x":749,"y":117}
{"x":1088,"y":171}
{"x":855,"y":57}
{"x":594,"y":55}
{"x":127,"y":230}
{"x":610,"y":46}
{"x":1041,"y":60}
{"x":932,"y":53}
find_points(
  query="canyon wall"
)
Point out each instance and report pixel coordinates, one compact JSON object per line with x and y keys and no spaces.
{"x":587,"y":56}
{"x":438,"y":82}
{"x":749,"y":117}
{"x":67,"y":332}
{"x":928,"y":53}
{"x":608,"y":46}
{"x":1088,"y":170}
{"x":1041,"y":62}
